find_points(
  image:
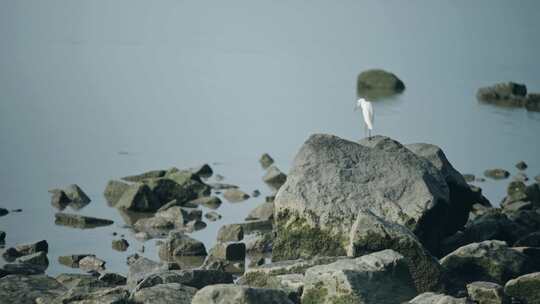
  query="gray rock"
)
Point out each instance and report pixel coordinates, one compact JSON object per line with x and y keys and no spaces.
{"x":78,"y":280}
{"x":91,"y":295}
{"x":38,"y":259}
{"x":179,"y":244}
{"x":431,"y":298}
{"x":380,"y":277}
{"x":204,"y":171}
{"x":266,"y":160}
{"x":521,"y":165}
{"x":532,"y":103}
{"x":231,"y":294}
{"x":212,"y":216}
{"x":274,"y":177}
{"x":112,"y":279}
{"x":197,"y":278}
{"x":91,"y":263}
{"x":31,"y":248}
{"x":228,"y":251}
{"x":377,"y":79}
{"x":59,"y":199}
{"x":371,"y":233}
{"x":526,"y":288}
{"x":138,"y":197}
{"x":496,"y":173}
{"x":76,"y":195}
{"x":172,"y":293}
{"x":120,"y":245}
{"x":491,"y":261}
{"x":508,"y":94}
{"x":194,"y":225}
{"x":487,"y":293}
{"x":2,"y":237}
{"x":212,"y":202}
{"x":72,"y":260}
{"x":331,"y":179}
{"x":21,"y":269}
{"x":180,"y":216}
{"x":230,"y":233}
{"x":235,"y":195}
{"x":264,"y":211}
{"x":145,"y":176}
{"x":22,"y":289}
{"x":259,"y":242}
{"x":189,"y":181}
{"x":80,"y":221}
{"x":114,"y":191}
{"x":139,"y":268}
{"x":167,"y":189}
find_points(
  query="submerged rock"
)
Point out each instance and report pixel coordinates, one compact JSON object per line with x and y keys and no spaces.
{"x":332,"y":179}
{"x":120,"y":245}
{"x":80,"y":221}
{"x":497,"y":173}
{"x":229,"y":293}
{"x":235,"y":195}
{"x":525,"y":288}
{"x":380,"y":277}
{"x":508,"y":94}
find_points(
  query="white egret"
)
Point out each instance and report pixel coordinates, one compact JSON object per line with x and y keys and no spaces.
{"x":367,"y":113}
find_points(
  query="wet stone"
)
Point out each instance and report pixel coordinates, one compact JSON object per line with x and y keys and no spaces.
{"x":76,"y":195}
{"x":59,"y":200}
{"x":211,"y":202}
{"x":230,"y":233}
{"x":274,"y":177}
{"x":80,"y":221}
{"x":37,"y":259}
{"x":144,"y":176}
{"x":72,"y":260}
{"x":497,"y":173}
{"x":30,"y":248}
{"x":204,"y":171}
{"x":521,"y":165}
{"x":112,"y":279}
{"x":113,"y":191}
{"x":266,"y":160}
{"x":235,"y":195}
{"x":120,"y":245}
{"x":91,"y":263}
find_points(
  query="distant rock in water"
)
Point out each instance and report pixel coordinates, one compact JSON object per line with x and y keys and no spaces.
{"x":509,"y":94}
{"x":79,"y":221}
{"x":72,"y":196}
{"x":376,"y":84}
{"x":496,"y":173}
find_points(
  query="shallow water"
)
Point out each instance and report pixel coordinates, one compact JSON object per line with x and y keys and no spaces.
{"x":181,"y":83}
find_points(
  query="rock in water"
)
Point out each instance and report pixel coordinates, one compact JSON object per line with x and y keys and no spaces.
{"x":262,"y":212}
{"x":138,"y":197}
{"x":120,"y":245}
{"x":76,"y":195}
{"x":204,"y":171}
{"x":230,"y":233}
{"x":371,"y":233}
{"x":525,"y":288}
{"x":521,"y":165}
{"x":266,"y":160}
{"x":533,"y":102}
{"x":80,"y":221}
{"x":379,"y":80}
{"x":145,"y":176}
{"x":380,"y":277}
{"x":332,"y":179}
{"x":179,"y":244}
{"x":114,"y":191}
{"x":229,"y":294}
{"x":497,"y":173}
{"x":235,"y":195}
{"x":509,"y":94}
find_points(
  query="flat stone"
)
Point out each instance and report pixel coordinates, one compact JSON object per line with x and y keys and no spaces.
{"x":91,"y":263}
{"x":263,"y":212}
{"x":30,"y":248}
{"x":22,"y":289}
{"x":235,"y":195}
{"x":37,"y":259}
{"x":80,"y":221}
{"x":212,"y":202}
{"x":431,"y":298}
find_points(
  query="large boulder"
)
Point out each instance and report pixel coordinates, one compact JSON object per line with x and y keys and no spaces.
{"x":332,"y":179}
{"x":371,"y":233}
{"x":491,"y":261}
{"x":22,"y":289}
{"x":234,"y":294}
{"x":382,"y":278}
{"x":525,"y":288}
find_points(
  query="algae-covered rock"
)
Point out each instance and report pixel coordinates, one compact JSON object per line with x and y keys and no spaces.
{"x":509,"y":94}
{"x":487,"y":293}
{"x":525,"y":288}
{"x":171,"y":293}
{"x":380,"y":278}
{"x":23,"y":289}
{"x":332,"y":179}
{"x":229,"y":294}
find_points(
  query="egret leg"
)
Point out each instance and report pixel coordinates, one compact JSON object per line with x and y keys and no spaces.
{"x":369,"y":134}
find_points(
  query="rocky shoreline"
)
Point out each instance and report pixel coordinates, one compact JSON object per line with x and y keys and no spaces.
{"x":373,"y":221}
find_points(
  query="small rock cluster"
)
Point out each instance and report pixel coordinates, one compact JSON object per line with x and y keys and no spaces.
{"x":509,"y":94}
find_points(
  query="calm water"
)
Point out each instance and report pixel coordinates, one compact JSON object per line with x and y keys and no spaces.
{"x":181,"y":83}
